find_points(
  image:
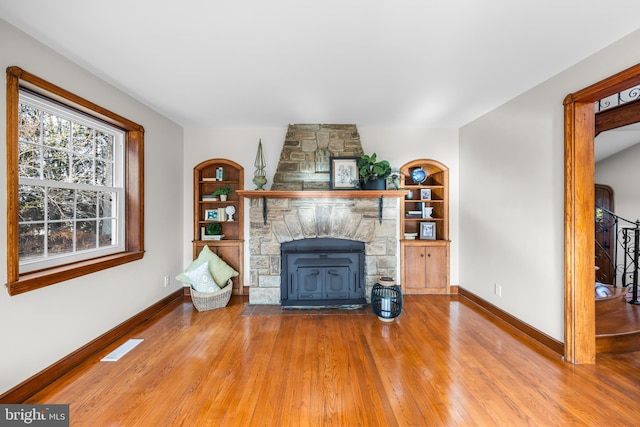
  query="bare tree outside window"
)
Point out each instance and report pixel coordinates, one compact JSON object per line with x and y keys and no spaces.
{"x":69,"y":187}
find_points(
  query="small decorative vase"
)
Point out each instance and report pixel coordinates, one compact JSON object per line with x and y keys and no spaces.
{"x":259,"y":181}
{"x":259,"y":176}
{"x":223,"y":197}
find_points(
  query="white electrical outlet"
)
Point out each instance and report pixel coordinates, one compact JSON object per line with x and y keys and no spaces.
{"x":166,"y":281}
{"x":497,"y":289}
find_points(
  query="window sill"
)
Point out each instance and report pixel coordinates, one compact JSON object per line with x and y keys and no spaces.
{"x":39,"y":279}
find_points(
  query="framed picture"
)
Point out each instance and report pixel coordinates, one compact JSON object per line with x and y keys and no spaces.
{"x":343,"y":173}
{"x":425,"y":194}
{"x":428,"y":230}
{"x":211,"y":215}
{"x":393,"y":180}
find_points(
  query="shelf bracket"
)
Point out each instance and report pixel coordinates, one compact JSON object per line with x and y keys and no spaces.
{"x":380,"y":209}
{"x":264,"y":210}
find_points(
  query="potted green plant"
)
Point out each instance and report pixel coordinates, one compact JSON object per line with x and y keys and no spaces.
{"x":373,"y":172}
{"x":223,"y":192}
{"x":213,"y":231}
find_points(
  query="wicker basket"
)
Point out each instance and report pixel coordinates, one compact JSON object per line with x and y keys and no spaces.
{"x":208,"y":301}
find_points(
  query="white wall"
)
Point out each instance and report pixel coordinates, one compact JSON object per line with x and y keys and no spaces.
{"x":511,"y":194}
{"x":40,"y":327}
{"x":240,"y":145}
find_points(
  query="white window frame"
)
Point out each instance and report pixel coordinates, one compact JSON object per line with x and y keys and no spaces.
{"x":118,"y":211}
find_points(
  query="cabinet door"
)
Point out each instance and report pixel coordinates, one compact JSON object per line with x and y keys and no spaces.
{"x":426,"y":268}
{"x":436,"y":268}
{"x":414,"y":265}
{"x":231,"y":253}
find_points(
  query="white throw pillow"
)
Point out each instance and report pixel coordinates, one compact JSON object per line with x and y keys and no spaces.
{"x":219,"y":269}
{"x":201,"y":279}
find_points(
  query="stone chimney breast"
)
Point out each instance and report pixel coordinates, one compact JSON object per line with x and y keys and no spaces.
{"x":304,"y":159}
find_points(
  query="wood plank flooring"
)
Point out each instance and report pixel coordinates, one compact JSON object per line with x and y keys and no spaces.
{"x":617,"y":323}
{"x":443,"y":362}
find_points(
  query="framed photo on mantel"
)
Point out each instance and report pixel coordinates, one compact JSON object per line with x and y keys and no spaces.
{"x":343,"y":173}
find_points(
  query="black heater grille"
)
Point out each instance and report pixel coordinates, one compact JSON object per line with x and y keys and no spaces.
{"x":322,"y":272}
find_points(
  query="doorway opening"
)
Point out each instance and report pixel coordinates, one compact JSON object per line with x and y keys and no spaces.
{"x":579,"y":241}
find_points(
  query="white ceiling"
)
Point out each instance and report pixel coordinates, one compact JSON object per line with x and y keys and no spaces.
{"x":391,"y":63}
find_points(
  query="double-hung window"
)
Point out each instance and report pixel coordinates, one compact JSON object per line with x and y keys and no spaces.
{"x":70,"y":186}
{"x":75,"y":187}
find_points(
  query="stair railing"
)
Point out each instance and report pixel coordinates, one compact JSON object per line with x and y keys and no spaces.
{"x":628,"y":239}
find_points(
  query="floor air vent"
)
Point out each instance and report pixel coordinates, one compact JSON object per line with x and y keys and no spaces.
{"x":125,"y":348}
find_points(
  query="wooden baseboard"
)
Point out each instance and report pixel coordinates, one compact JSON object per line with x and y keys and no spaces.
{"x":523,"y":327}
{"x":30,"y":386}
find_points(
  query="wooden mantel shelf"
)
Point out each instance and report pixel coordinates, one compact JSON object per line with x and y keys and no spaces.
{"x":333,"y":194}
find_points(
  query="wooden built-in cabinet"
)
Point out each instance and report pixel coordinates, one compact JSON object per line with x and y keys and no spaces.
{"x":425,"y":259}
{"x":206,"y":179}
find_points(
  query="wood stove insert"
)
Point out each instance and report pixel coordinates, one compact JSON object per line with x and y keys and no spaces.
{"x":322,"y":272}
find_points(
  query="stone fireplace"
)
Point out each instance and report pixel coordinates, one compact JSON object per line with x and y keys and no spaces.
{"x":306,"y":218}
{"x":274,"y":220}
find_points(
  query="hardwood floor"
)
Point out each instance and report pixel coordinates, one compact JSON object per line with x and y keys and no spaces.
{"x":617,"y":323}
{"x":443,"y":362}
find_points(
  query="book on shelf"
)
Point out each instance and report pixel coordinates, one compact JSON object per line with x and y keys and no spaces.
{"x":220,"y":173}
{"x":222,"y":214}
{"x":209,"y":179}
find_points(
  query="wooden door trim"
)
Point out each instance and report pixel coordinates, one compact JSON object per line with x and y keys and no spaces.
{"x":579,"y":235}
